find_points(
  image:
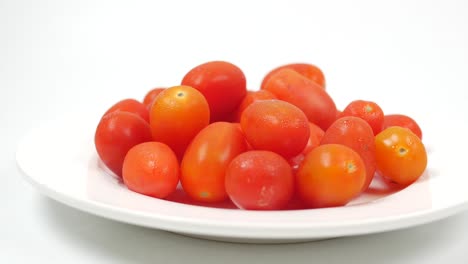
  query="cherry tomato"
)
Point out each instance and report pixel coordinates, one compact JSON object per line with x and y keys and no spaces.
{"x":367,"y":110}
{"x":177,"y":115}
{"x":132,"y":106}
{"x":402,"y":121}
{"x":259,"y":180}
{"x":339,"y":114}
{"x":292,"y":87}
{"x":152,"y":169}
{"x":309,"y":71}
{"x":222,"y":83}
{"x":250,"y":98}
{"x":357,"y":134}
{"x":330,"y":175}
{"x":316,"y":135}
{"x":400,"y":155}
{"x":116,"y":133}
{"x":207,"y":158}
{"x":276,"y":126}
{"x":150,"y":96}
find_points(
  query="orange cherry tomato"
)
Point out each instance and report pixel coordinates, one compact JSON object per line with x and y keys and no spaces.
{"x":276,"y":126}
{"x":400,"y":155}
{"x":330,"y":175}
{"x":116,"y":133}
{"x":207,"y":158}
{"x":292,"y":87}
{"x":177,"y":115}
{"x":152,"y":169}
{"x":222,"y":83}
{"x":307,"y":70}
{"x":132,"y":106}
{"x":356,"y":133}
{"x":259,"y":180}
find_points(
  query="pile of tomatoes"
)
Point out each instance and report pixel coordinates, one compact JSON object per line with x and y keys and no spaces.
{"x":260,"y":149}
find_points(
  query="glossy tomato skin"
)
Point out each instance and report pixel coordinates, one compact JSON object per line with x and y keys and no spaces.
{"x":307,"y":70}
{"x":315,"y":102}
{"x":330,"y":175}
{"x":315,"y":138}
{"x":152,"y":169}
{"x":367,"y":110}
{"x":276,"y":126}
{"x":116,"y":133}
{"x":402,"y":121}
{"x":205,"y":162}
{"x":151,"y":95}
{"x":400,"y":155}
{"x":132,"y":106}
{"x":250,"y":98}
{"x":222,"y":83}
{"x":177,"y":115}
{"x":357,"y":134}
{"x":316,"y":135}
{"x":259,"y":180}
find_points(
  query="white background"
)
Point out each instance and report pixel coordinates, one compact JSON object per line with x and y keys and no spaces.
{"x":58,"y":57}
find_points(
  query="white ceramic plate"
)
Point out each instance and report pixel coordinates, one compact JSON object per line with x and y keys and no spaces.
{"x":59,"y":159}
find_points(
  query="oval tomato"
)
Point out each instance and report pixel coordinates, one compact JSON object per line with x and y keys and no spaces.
{"x":330,"y":175}
{"x":276,"y":126}
{"x":290,"y":86}
{"x":402,"y":121}
{"x":400,"y":155}
{"x":307,"y":70}
{"x":116,"y":133}
{"x":132,"y":106}
{"x":357,"y":134}
{"x":222,"y":83}
{"x":259,"y":180}
{"x":152,"y":169}
{"x":177,"y":115}
{"x":205,"y":162}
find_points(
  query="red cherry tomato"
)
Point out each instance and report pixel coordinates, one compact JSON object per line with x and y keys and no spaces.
{"x":400,"y":155}
{"x":367,"y":110}
{"x":357,"y":134}
{"x":222,"y":83}
{"x":132,"y":106}
{"x":330,"y":175}
{"x":292,"y":87}
{"x":309,"y":71}
{"x":116,"y":133}
{"x":177,"y":115}
{"x":207,"y":158}
{"x":316,"y":135}
{"x":250,"y":98}
{"x":259,"y":180}
{"x":276,"y":126}
{"x":402,"y":121}
{"x":150,"y":96}
{"x":152,"y":169}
